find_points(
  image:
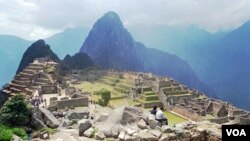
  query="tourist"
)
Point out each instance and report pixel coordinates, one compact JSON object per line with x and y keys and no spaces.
{"x":29,"y":134}
{"x":154,"y":110}
{"x":160,"y":117}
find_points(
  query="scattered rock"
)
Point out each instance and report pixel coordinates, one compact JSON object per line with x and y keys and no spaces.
{"x":83,"y":125}
{"x":145,"y":136}
{"x":122,"y":135}
{"x":102,"y":118}
{"x":16,"y":138}
{"x":172,"y":136}
{"x":164,"y":137}
{"x":153,"y":124}
{"x":88,"y":133}
{"x":78,"y":115}
{"x":115,"y":131}
{"x":166,"y":129}
{"x":99,"y":136}
{"x":179,"y":131}
{"x":128,"y":138}
{"x":107,"y":132}
{"x":156,"y":133}
{"x":131,"y":115}
{"x":130,"y":131}
{"x":142,"y":124}
{"x":48,"y":118}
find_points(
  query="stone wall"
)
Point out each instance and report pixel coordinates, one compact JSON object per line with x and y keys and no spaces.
{"x":48,"y":90}
{"x":150,"y":105}
{"x":75,"y":102}
{"x":220,"y":120}
{"x":187,"y":114}
{"x":244,"y":121}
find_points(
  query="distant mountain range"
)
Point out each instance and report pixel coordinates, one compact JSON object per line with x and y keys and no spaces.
{"x":12,"y":49}
{"x":110,"y":45}
{"x":221,"y":60}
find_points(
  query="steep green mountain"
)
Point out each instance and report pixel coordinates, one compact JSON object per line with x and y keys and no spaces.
{"x":110,"y":45}
{"x":78,"y":61}
{"x":12,"y":49}
{"x":38,"y":49}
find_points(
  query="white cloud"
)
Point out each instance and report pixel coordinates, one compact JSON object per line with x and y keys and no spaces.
{"x":32,"y":19}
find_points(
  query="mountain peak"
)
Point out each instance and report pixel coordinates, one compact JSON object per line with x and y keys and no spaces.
{"x":38,"y":49}
{"x":109,"y":20}
{"x":111,"y":15}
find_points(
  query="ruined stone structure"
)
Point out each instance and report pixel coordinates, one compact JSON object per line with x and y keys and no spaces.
{"x":188,"y":102}
{"x":35,"y":76}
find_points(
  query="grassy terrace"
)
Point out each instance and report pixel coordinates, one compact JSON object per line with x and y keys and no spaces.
{"x":173,"y":118}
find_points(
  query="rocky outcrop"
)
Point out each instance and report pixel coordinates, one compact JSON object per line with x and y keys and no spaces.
{"x":131,"y":115}
{"x":38,"y":49}
{"x":48,"y":118}
{"x":83,"y":125}
{"x":42,"y":118}
{"x":78,"y":115}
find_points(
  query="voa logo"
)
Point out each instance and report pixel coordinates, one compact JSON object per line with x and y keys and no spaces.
{"x":236,"y":132}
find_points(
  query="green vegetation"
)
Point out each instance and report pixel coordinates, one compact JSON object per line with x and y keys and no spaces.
{"x":19,"y":132}
{"x":6,"y":132}
{"x":49,"y":130}
{"x":15,"y":111}
{"x":5,"y":135}
{"x":104,"y":97}
{"x":173,"y":118}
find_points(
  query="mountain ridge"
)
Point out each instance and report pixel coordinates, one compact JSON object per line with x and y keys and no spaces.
{"x":109,"y":44}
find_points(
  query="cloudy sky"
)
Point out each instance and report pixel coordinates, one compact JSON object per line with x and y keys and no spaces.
{"x":33,"y":19}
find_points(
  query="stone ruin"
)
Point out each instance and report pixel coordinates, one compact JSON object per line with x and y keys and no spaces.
{"x":131,"y":123}
{"x":190,"y":102}
{"x":36,"y":76}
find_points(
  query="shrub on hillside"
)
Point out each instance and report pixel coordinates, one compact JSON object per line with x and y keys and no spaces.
{"x":104,"y":97}
{"x":5,"y":135}
{"x":19,"y":132}
{"x":15,"y":111}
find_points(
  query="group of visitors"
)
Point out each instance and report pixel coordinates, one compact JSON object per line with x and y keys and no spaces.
{"x":159,"y":115}
{"x":37,"y":101}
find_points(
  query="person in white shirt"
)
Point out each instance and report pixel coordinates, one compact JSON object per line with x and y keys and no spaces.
{"x":160,"y":117}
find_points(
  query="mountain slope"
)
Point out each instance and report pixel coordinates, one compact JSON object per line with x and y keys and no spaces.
{"x":68,"y":41}
{"x":38,"y":49}
{"x":110,"y":45}
{"x":228,"y":63}
{"x":78,"y":61}
{"x":11,"y":49}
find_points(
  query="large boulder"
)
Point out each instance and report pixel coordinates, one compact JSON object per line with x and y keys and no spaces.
{"x":99,"y":136}
{"x":122,"y":135}
{"x":156,"y":133}
{"x":166,"y":129}
{"x":37,"y":122}
{"x":144,"y":135}
{"x":102,"y":118}
{"x":131,"y":115}
{"x":48,"y":118}
{"x":89,"y":132}
{"x":83,"y":125}
{"x":142,"y":124}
